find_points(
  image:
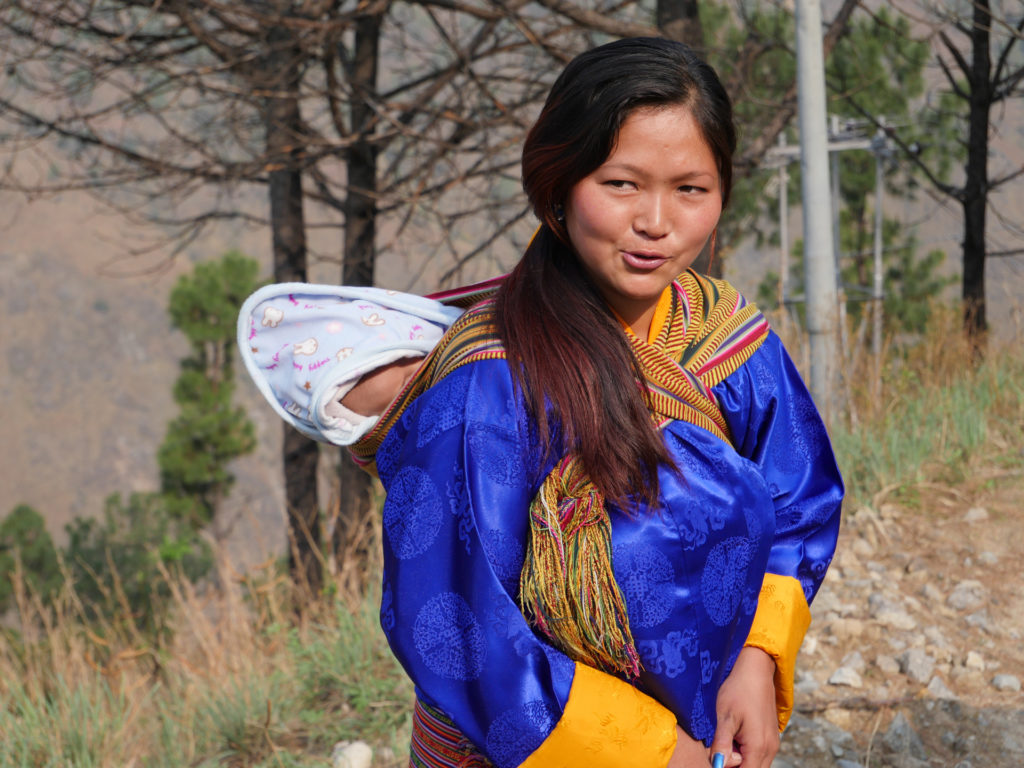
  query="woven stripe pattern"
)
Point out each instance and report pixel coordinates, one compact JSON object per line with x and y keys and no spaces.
{"x":711,"y":332}
{"x":468,"y":295}
{"x":438,"y":743}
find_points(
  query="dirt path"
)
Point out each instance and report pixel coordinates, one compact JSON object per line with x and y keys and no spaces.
{"x":915,"y":657}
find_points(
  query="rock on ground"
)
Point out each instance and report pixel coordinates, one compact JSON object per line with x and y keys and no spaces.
{"x":355,"y":754}
{"x":913,"y":654}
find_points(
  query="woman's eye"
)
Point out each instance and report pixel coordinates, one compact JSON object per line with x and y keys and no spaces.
{"x":689,"y":189}
{"x":619,"y":184}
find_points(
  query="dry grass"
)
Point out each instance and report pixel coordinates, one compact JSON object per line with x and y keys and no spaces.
{"x":243,"y":681}
{"x":931,"y":415}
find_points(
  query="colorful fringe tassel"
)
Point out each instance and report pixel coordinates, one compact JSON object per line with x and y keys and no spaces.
{"x":567,"y":588}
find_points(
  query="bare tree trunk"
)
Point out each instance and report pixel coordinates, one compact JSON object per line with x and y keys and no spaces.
{"x":361,"y":165}
{"x":679,"y":20}
{"x":356,"y":487}
{"x":976,"y":185}
{"x":283,"y":128}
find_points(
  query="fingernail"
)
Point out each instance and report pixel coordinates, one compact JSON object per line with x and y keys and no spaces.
{"x":718,"y":760}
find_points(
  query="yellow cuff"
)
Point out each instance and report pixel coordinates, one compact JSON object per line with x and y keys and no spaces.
{"x":607,"y":723}
{"x":780,"y":623}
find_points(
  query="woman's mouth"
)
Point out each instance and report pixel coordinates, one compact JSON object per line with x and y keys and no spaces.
{"x":644,"y":260}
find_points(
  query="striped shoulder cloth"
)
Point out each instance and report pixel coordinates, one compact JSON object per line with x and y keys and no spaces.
{"x":712,"y":331}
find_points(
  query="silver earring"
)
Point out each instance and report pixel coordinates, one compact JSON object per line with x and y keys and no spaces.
{"x":559,"y":212}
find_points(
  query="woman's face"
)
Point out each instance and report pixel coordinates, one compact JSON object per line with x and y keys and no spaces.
{"x":645,"y":214}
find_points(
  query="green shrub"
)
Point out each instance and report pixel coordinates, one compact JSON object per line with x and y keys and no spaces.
{"x":24,"y":538}
{"x":118,"y":562}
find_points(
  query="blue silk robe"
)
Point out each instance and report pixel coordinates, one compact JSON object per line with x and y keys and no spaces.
{"x":460,"y":469}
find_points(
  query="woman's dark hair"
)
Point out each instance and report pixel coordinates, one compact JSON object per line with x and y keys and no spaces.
{"x":566,"y":348}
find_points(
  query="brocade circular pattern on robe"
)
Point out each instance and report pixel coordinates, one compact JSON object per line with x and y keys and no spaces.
{"x":388,"y":454}
{"x":413,"y":513}
{"x":516,"y":733}
{"x":444,"y":411}
{"x":505,"y":554}
{"x":498,"y":452}
{"x":449,"y":639}
{"x":725,"y":574}
{"x":646,"y":578}
{"x":700,"y":723}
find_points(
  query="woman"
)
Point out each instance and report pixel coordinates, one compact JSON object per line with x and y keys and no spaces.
{"x":609,"y":495}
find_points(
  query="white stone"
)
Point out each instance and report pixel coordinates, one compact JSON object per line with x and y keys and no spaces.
{"x":979,"y":620}
{"x":862,"y":547}
{"x":976,"y":515}
{"x":917,"y":665}
{"x":806,"y":687}
{"x":988,"y":558}
{"x":854,"y":661}
{"x":355,"y":754}
{"x":897,"y":619}
{"x":877,"y":601}
{"x":967,"y":595}
{"x":806,"y":683}
{"x":932,"y":593}
{"x":845,"y":628}
{"x":1005,"y":683}
{"x":825,"y":600}
{"x":838,"y":717}
{"x":846,"y":676}
{"x":972,"y":677}
{"x":938,"y":689}
{"x":887,"y":664}
{"x":936,"y":637}
{"x":975,"y":660}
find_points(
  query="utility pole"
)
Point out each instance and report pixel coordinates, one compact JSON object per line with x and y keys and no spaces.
{"x":841,"y":139}
{"x":783,"y":236}
{"x":880,"y":146}
{"x":819,"y":256}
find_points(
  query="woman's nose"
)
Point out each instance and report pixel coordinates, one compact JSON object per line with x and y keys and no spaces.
{"x":651,"y":217}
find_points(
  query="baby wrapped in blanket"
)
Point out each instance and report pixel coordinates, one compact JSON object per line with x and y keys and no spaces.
{"x":330,"y":359}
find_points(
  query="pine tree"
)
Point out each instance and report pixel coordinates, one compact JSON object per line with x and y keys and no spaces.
{"x":209,"y":431}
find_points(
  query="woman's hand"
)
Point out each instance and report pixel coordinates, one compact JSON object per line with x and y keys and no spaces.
{"x":748,"y":727}
{"x":689,"y":753}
